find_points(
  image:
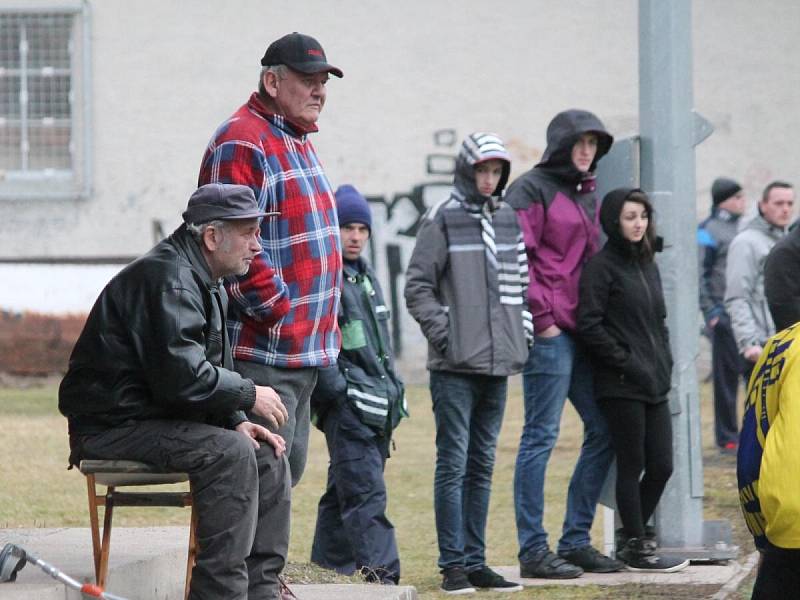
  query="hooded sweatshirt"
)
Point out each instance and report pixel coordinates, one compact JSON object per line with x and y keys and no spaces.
{"x":557,"y":211}
{"x":745,"y":299}
{"x":467,"y":277}
{"x":622,"y":315}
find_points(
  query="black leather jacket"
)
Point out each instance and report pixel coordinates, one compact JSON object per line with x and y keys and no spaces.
{"x":155,"y":347}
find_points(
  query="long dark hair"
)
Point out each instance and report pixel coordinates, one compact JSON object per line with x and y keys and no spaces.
{"x":646,"y":249}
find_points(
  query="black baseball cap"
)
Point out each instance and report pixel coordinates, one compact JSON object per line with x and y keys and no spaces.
{"x":222,"y":201}
{"x":299,"y":52}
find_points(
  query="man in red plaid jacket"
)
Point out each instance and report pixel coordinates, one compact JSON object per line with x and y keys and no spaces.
{"x":282,"y":320}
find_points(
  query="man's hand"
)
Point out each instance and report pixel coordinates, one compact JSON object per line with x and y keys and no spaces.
{"x":752,"y":353}
{"x":551,"y":331}
{"x":257,"y":432}
{"x":269,"y":406}
{"x":712,"y":322}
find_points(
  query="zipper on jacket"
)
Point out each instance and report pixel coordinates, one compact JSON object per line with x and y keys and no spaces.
{"x":369,"y":293}
{"x":649,"y":304}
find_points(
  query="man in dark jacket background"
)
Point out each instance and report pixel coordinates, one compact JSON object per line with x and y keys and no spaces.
{"x":714,"y":235}
{"x":357,"y":403}
{"x":151,"y":379}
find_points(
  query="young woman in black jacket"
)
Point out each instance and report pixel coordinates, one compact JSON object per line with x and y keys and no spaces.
{"x":621,"y":321}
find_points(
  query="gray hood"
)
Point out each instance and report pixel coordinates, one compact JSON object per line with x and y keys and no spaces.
{"x":477,"y":148}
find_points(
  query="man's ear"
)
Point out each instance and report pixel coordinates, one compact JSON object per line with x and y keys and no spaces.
{"x":270,"y":80}
{"x":211,"y":238}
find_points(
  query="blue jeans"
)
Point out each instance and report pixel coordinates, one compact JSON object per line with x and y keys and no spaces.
{"x":557,"y":368}
{"x":468,"y":410}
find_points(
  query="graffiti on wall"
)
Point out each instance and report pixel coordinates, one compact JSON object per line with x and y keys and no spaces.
{"x":396,"y":220}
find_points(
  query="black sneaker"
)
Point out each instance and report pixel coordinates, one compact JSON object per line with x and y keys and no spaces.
{"x":621,"y":538}
{"x":454,"y":581}
{"x":488,"y":579}
{"x":592,"y":561}
{"x":547,"y":565}
{"x":650,"y":535}
{"x":639,"y":555}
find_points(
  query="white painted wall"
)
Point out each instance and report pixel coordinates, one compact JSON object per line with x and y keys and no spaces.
{"x":166,"y":73}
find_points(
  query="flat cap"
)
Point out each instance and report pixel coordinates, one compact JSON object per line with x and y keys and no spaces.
{"x":222,"y":201}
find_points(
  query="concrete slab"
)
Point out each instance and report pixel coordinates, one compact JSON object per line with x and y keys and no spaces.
{"x":694,"y":574}
{"x":146,"y":563}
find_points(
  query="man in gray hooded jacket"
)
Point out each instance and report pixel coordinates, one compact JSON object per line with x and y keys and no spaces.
{"x":465,"y":286}
{"x":745,"y":300}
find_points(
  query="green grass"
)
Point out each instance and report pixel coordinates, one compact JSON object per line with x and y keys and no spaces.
{"x":38,"y":491}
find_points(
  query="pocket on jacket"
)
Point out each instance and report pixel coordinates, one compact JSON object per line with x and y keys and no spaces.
{"x":353,"y":335}
{"x":442,"y":342}
{"x":369,"y":398}
{"x":636,"y":373}
{"x":469,"y":344}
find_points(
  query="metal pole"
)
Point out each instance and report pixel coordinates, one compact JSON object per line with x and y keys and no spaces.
{"x":669,"y":131}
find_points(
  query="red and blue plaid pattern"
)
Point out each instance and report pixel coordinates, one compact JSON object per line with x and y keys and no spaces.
{"x":283,"y":312}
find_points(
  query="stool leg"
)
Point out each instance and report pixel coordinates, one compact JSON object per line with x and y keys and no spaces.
{"x":94,"y":524}
{"x":106,"y":547}
{"x":192,"y":552}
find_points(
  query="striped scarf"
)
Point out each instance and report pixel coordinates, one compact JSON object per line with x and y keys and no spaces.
{"x":509,"y":270}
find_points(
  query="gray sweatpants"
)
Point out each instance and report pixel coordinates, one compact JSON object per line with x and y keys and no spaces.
{"x":241,"y":498}
{"x":294,"y":386}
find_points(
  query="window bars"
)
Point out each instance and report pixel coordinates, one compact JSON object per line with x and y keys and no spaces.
{"x":42,"y":102}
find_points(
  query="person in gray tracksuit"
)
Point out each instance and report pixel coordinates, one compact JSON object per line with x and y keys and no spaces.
{"x":358,"y":403}
{"x":466,"y":286}
{"x":745,"y":300}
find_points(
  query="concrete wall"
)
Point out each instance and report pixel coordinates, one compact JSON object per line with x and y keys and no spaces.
{"x":419,"y":75}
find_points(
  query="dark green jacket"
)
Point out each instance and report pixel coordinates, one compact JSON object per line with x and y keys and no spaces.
{"x":364,"y":376}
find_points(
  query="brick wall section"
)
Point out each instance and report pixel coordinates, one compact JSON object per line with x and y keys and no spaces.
{"x":37,"y":344}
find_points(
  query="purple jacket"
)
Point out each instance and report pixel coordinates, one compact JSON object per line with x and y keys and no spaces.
{"x":558,"y":214}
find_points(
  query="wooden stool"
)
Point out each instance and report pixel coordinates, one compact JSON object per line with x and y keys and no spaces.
{"x":124,"y":473}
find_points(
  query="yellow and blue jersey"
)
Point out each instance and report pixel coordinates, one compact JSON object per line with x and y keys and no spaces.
{"x":768,"y":462}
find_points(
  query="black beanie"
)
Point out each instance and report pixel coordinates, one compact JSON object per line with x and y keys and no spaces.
{"x":723,"y":188}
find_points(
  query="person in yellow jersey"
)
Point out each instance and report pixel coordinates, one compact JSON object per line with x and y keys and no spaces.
{"x":768,"y":464}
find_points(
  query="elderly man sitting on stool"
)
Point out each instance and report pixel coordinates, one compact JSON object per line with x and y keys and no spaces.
{"x":150,"y":380}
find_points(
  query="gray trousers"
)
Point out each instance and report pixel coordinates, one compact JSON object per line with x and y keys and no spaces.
{"x":241,"y":498}
{"x":294,"y":386}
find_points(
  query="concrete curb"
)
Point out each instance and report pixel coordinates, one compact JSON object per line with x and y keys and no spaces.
{"x":734,"y":582}
{"x":696,"y":574}
{"x":146,"y":563}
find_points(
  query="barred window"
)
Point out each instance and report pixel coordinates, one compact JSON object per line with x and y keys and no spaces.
{"x":43,"y":121}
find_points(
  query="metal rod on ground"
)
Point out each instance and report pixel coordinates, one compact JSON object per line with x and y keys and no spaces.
{"x":13,"y":559}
